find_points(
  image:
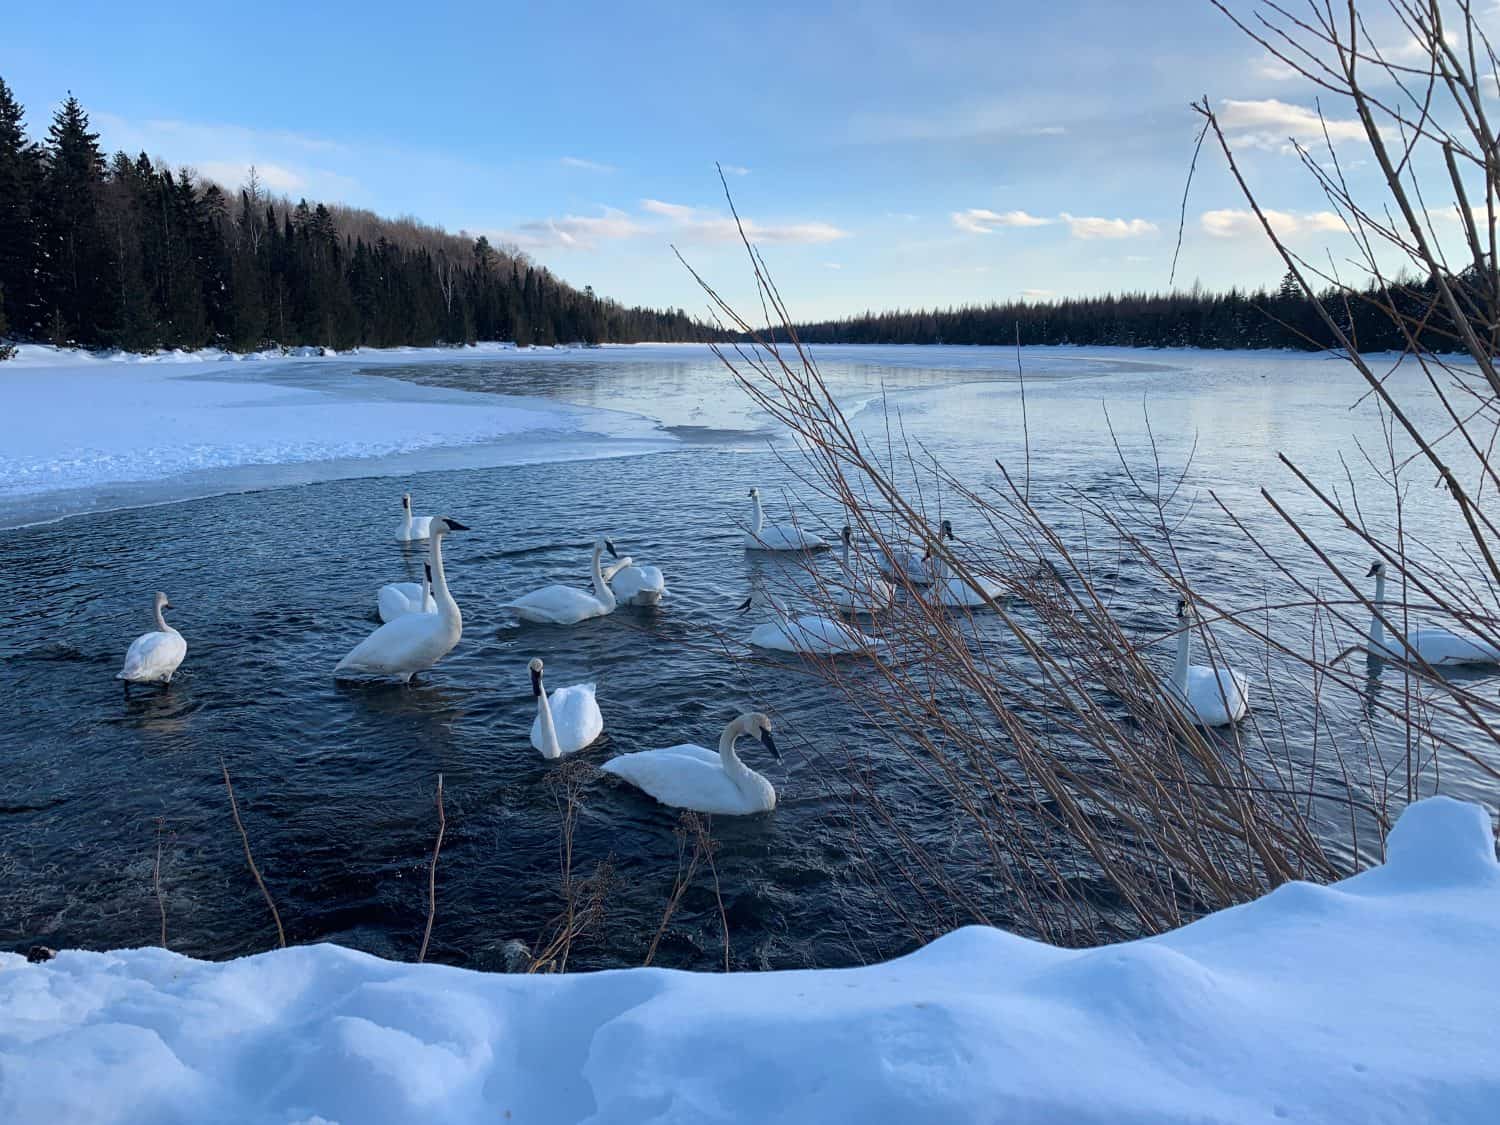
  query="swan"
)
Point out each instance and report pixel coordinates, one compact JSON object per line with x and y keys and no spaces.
{"x":413,"y":642}
{"x":635,"y":585}
{"x":569,"y":721}
{"x":1202,"y":692}
{"x":412,"y":529}
{"x":906,"y":563}
{"x":808,"y":633}
{"x":153,"y":657}
{"x":1433,"y":645}
{"x":773,"y":536}
{"x":860,"y":590}
{"x":957,"y":593}
{"x":396,"y":599}
{"x":568,"y":605}
{"x":694,"y":777}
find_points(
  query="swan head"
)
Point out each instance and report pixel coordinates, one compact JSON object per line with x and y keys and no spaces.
{"x":757,"y":725}
{"x":744,"y":606}
{"x":847,"y":535}
{"x":161,"y":601}
{"x":754,"y":493}
{"x":1377,"y":570}
{"x":441,"y":525}
{"x":406,"y":500}
{"x":1182,"y":609}
{"x":945,"y":530}
{"x":536,"y":676}
{"x":602,"y":544}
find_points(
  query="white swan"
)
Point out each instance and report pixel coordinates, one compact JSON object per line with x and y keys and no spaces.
{"x":397,"y":599}
{"x":859,"y":589}
{"x":411,"y":529}
{"x":694,"y":777}
{"x":911,"y":564}
{"x":1210,"y":697}
{"x":957,"y":593}
{"x":808,"y":633}
{"x":568,"y":605}
{"x":635,"y":585}
{"x":413,"y":642}
{"x":153,"y":657}
{"x":1435,"y":646}
{"x":764,"y":536}
{"x":569,"y":721}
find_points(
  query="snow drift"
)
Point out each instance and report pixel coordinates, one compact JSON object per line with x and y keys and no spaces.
{"x":1373,"y":1000}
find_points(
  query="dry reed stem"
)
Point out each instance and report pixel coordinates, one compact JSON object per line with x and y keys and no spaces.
{"x":437,"y":847}
{"x":234,"y":809}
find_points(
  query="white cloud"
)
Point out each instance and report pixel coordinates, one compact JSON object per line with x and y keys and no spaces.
{"x":1037,"y":294}
{"x":1046,"y":131}
{"x":735,"y":169}
{"x":981,"y":220}
{"x":586,"y":165}
{"x":833,"y":265}
{"x":1090,"y":227}
{"x":234,"y":175}
{"x":675,"y":211}
{"x":698,"y":225}
{"x":681,"y":223}
{"x":1268,"y":123}
{"x":1269,"y":67}
{"x":1414,"y":51}
{"x":576,"y":232}
{"x":1235,"y":223}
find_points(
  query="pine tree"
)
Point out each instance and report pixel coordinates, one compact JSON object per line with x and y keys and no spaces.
{"x":79,"y":254}
{"x":20,"y":167}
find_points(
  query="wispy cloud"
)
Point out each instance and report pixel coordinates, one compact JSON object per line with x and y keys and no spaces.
{"x":676,"y":221}
{"x":981,"y":220}
{"x":1234,"y":223}
{"x":1269,"y":67}
{"x":1037,"y":294}
{"x":833,"y":265}
{"x":586,"y":165}
{"x":1268,"y":122}
{"x":735,"y":169}
{"x":577,"y":232}
{"x":234,"y":175}
{"x":694,"y":224}
{"x":1093,"y":227}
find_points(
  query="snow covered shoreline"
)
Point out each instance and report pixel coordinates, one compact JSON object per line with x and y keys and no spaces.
{"x":1372,"y":1000}
{"x":96,"y":432}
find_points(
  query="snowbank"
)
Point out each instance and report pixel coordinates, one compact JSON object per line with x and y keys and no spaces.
{"x":1373,"y":1001}
{"x":82,"y":424}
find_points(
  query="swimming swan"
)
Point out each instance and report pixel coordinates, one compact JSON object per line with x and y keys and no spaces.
{"x":153,"y":657}
{"x":568,"y":605}
{"x":1201,"y":692}
{"x":635,"y":585}
{"x":958,"y":593}
{"x":413,"y":642}
{"x":397,"y":599}
{"x":859,"y":589}
{"x":1435,"y":646}
{"x":693,"y":777}
{"x":911,"y":564}
{"x":412,"y":529}
{"x":807,"y":634}
{"x":764,"y":536}
{"x":569,"y":721}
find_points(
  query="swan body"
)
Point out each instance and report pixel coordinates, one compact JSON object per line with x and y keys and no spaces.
{"x":764,"y":536}
{"x":956,"y":593}
{"x":859,"y":590}
{"x":397,"y":599}
{"x":807,"y":634}
{"x":913,"y":566}
{"x":1435,"y":646}
{"x":635,"y":585}
{"x":693,"y":777}
{"x":413,"y":642}
{"x":153,"y":657}
{"x":1210,"y":697}
{"x":568,"y":605}
{"x":412,"y":529}
{"x":567,"y":721}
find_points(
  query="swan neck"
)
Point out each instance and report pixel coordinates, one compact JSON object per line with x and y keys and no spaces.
{"x":550,"y":747}
{"x":1180,"y":664}
{"x":736,"y":769}
{"x":161,"y":622}
{"x":1377,"y":628}
{"x":758,"y":519}
{"x":602,"y":592}
{"x":447,"y":607}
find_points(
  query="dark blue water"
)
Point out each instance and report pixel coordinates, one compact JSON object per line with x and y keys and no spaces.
{"x":336,"y":783}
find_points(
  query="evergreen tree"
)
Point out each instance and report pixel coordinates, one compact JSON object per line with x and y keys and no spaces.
{"x":20,"y":172}
{"x":77,"y":251}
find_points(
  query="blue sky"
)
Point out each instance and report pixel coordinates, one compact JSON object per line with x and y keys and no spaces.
{"x":887,"y":154}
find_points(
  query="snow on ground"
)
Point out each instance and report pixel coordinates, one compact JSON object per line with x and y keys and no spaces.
{"x":83,"y":426}
{"x":1373,"y":1000}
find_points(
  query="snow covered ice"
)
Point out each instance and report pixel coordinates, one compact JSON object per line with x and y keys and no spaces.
{"x":1373,"y":1000}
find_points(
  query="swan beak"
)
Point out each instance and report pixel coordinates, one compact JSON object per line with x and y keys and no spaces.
{"x":1373,"y":571}
{"x":770,"y":744}
{"x":454,"y":525}
{"x":743,"y":606}
{"x":610,"y":547}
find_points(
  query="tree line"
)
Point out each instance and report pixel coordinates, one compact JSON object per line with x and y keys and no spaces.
{"x":1265,"y":318}
{"x":127,"y":253}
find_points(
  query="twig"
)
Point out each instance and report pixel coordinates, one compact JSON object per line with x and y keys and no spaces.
{"x":234,"y":808}
{"x":437,"y":847}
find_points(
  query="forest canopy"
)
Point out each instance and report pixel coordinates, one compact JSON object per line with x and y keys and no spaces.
{"x":126,"y":252}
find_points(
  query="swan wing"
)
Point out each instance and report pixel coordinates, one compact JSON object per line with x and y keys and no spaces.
{"x":685,"y":777}
{"x":395,"y":599}
{"x":1439,"y":646}
{"x":557,"y":605}
{"x":153,"y":657}
{"x":775,"y":537}
{"x":1209,"y":689}
{"x":631,"y":581}
{"x":824,"y":635}
{"x":410,"y":643}
{"x":575,"y":717}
